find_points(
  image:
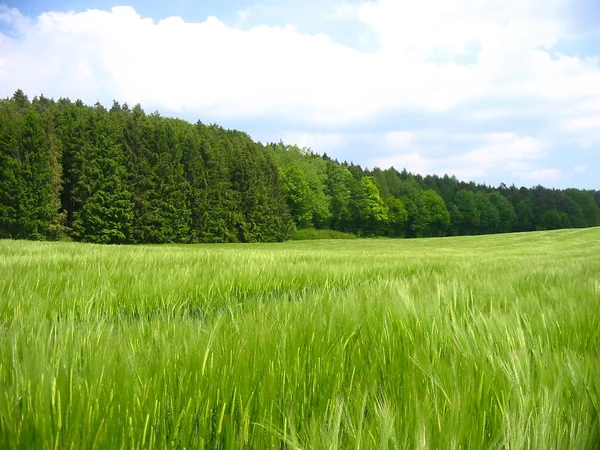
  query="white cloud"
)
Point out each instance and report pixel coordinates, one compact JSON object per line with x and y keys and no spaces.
{"x":412,"y":161}
{"x":542,"y":175}
{"x":180,"y":66}
{"x":505,"y":147}
{"x":345,"y":10}
{"x":584,"y":129}
{"x":399,"y":139}
{"x":428,"y":25}
{"x":592,"y":105}
{"x":497,"y":152}
{"x":584,"y":123}
{"x":14,"y":18}
{"x":210,"y":68}
{"x":480,"y":62}
{"x":318,"y":142}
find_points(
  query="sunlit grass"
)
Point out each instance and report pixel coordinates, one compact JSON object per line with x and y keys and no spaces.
{"x":471,"y":342}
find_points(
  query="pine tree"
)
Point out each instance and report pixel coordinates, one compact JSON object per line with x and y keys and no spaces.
{"x":9,"y":171}
{"x":37,"y":195}
{"x":220,"y":205}
{"x":193,"y":166}
{"x":280,"y":217}
{"x":70,"y":124}
{"x":106,"y":213}
{"x":172,"y":214}
{"x":141,"y":177}
{"x":57,"y":227}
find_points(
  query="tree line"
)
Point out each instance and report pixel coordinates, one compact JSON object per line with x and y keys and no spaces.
{"x":324,"y":193}
{"x":71,"y":171}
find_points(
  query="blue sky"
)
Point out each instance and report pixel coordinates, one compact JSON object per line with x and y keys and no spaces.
{"x":488,"y":90}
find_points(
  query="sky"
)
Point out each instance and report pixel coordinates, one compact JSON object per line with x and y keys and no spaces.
{"x":493,"y":91}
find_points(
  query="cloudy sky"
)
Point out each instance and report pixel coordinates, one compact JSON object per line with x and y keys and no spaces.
{"x":488,"y":90}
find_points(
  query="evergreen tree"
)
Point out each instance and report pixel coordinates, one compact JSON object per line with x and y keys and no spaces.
{"x":70,"y":124}
{"x":106,"y":212}
{"x":140,"y":163}
{"x":57,"y":228}
{"x":195,"y":176}
{"x":220,"y":205}
{"x":36,"y":194}
{"x":172,"y":215}
{"x":21,"y":102}
{"x":123,"y":176}
{"x":9,"y":170}
{"x":280,"y":219}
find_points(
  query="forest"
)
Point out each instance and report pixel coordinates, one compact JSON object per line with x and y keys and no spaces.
{"x":69,"y":171}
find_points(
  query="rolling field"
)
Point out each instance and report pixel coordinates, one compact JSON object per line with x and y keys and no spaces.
{"x":471,"y":342}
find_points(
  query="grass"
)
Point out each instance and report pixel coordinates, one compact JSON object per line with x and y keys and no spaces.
{"x":470,"y":342}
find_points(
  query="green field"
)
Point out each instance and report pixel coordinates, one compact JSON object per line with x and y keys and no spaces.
{"x":471,"y":342}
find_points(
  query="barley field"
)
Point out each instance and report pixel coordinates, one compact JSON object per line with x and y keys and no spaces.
{"x":452,"y":343}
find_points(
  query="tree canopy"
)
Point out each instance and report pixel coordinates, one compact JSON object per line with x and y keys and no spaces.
{"x":71,"y":171}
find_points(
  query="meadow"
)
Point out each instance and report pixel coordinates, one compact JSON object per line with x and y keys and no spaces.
{"x":470,"y":342}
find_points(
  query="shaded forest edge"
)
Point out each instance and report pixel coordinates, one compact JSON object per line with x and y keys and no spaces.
{"x":71,"y":171}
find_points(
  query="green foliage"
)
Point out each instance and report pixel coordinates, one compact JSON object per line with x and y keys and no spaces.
{"x":398,"y":217}
{"x":71,"y":171}
{"x":554,"y":220}
{"x":9,"y":172}
{"x":489,"y":216}
{"x":303,"y":176}
{"x":299,"y":196}
{"x":307,"y":234}
{"x":436,"y":214}
{"x":36,"y":192}
{"x":525,"y":216}
{"x":585,"y":201}
{"x":171,"y":215}
{"x":339,"y":187}
{"x":506,"y":212}
{"x":467,"y":215}
{"x":106,"y":214}
{"x":427,"y":214}
{"x":412,"y":198}
{"x":371,"y":210}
